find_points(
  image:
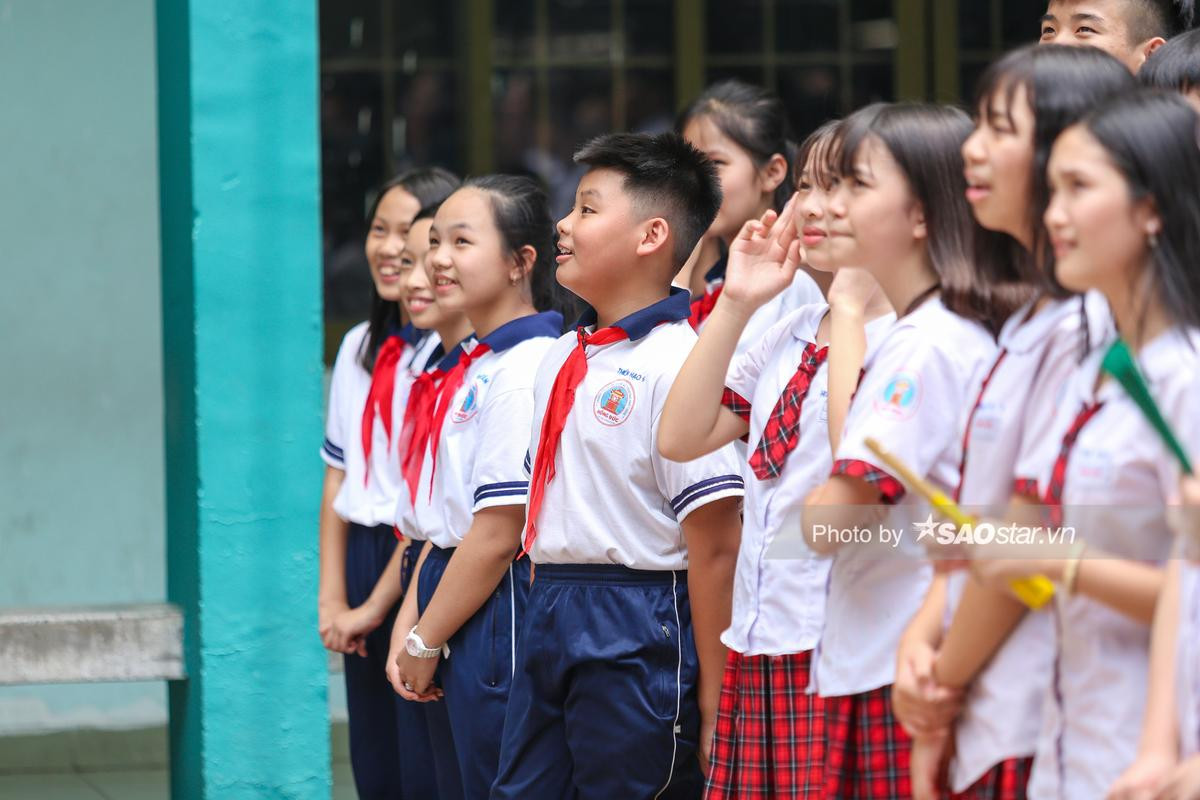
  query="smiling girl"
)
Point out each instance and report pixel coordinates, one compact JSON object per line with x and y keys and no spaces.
{"x":491,"y":250}
{"x":451,"y":328}
{"x":360,"y":560}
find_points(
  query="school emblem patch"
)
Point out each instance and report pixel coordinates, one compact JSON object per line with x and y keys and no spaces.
{"x":900,"y":398}
{"x":470,"y":403}
{"x":614,"y":403}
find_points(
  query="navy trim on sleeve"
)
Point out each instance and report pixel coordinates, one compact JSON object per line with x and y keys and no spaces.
{"x":507,"y":489}
{"x":703,"y":488}
{"x":528,"y":464}
{"x":333,"y":451}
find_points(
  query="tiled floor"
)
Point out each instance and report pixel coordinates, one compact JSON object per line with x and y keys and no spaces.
{"x":145,"y":785}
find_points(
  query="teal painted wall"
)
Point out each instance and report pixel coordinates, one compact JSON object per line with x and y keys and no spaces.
{"x":241,"y":300}
{"x":81,"y":385}
{"x":81,"y":468}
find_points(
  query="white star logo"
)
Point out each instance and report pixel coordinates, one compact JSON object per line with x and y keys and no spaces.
{"x":925,"y":529}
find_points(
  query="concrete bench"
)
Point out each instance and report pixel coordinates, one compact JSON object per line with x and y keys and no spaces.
{"x":95,"y":644}
{"x":91,"y":644}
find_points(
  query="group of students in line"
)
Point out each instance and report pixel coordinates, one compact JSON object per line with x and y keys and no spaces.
{"x":595,"y":563}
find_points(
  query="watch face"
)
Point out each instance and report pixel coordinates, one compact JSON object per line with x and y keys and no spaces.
{"x":416,"y":648}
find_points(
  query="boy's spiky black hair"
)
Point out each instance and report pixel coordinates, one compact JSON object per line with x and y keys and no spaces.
{"x":1165,"y":18}
{"x":665,"y":177}
{"x":1175,"y":66}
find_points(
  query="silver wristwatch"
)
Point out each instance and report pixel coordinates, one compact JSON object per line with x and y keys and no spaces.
{"x":414,"y":645}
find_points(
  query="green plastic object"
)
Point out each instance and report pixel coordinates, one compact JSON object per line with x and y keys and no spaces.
{"x":1119,"y":363}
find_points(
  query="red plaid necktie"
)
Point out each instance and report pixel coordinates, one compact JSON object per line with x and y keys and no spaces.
{"x":418,"y":421}
{"x":445,"y":396}
{"x":1058,"y":475}
{"x":379,"y":397}
{"x":558,"y":407}
{"x":702,"y":307}
{"x":782,"y":431}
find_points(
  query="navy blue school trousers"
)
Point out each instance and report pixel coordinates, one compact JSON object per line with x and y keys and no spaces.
{"x":476,"y":677}
{"x":603,"y":704}
{"x":390,"y":751}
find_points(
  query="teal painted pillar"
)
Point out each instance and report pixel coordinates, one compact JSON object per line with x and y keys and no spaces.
{"x":241,"y":250}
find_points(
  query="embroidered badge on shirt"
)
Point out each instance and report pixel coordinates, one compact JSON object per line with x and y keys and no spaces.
{"x":614,"y":403}
{"x":470,"y":403}
{"x":901,"y":397}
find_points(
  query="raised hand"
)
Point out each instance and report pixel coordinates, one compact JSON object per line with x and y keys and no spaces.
{"x":762,"y":259}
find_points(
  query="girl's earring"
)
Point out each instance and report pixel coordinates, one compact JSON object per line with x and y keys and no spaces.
{"x":1153,"y":240}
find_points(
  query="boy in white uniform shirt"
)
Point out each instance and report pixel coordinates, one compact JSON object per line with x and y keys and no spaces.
{"x":612,"y":693}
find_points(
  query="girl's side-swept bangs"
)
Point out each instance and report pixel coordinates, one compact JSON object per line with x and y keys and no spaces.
{"x":815,"y":155}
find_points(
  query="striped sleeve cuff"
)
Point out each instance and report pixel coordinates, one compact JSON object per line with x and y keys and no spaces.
{"x":333,"y":455}
{"x":891,"y":489}
{"x":528,"y":464}
{"x":510,"y":493}
{"x":705,"y":492}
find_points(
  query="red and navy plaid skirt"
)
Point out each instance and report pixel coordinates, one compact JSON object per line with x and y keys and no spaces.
{"x":769,"y":739}
{"x":866,"y":750}
{"x":1007,"y":780}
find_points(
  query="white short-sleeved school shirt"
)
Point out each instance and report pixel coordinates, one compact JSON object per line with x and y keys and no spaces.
{"x":614,"y":499}
{"x":405,"y":519}
{"x":370,"y":502}
{"x":779,"y":585}
{"x":1038,"y":354}
{"x":913,"y":399}
{"x":481,"y":450}
{"x":802,"y":291}
{"x":1118,"y":481}
{"x":1040,"y":439}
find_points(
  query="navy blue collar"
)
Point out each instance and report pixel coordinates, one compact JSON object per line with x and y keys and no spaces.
{"x":438,"y":352}
{"x":677,"y":306}
{"x":547,"y":323}
{"x":410,"y":333}
{"x":717,"y":271}
{"x":446,"y":361}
